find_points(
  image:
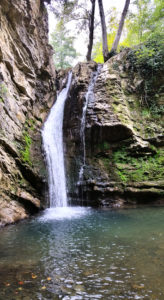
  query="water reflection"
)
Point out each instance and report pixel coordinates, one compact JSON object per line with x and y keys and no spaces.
{"x":85,"y":254}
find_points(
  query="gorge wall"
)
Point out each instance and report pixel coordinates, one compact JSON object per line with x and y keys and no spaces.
{"x":124,"y":136}
{"x":26,"y":94}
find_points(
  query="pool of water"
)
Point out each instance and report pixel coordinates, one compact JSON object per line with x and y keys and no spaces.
{"x":84,"y":253}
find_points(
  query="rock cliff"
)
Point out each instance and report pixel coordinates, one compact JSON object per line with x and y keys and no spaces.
{"x":26,"y":94}
{"x":124,"y":137}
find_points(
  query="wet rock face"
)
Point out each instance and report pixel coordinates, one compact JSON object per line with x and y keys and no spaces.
{"x":72,"y":123}
{"x":26,"y":93}
{"x":123,"y":147}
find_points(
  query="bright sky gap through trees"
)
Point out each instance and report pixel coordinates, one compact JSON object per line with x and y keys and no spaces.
{"x":145,"y":20}
{"x":82,"y":38}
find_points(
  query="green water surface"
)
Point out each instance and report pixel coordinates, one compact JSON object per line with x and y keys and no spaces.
{"x":84,"y":253}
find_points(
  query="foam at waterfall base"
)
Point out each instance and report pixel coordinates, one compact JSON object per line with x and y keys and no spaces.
{"x":59,"y":213}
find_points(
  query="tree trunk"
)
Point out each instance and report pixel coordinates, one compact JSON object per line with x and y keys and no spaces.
{"x":121,"y":24}
{"x":91,"y":30}
{"x":104,"y":31}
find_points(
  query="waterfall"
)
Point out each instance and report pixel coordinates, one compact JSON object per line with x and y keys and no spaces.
{"x":89,"y":97}
{"x":52,"y":135}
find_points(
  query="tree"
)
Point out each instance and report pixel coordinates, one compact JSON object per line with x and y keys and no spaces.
{"x":120,"y":28}
{"x":104,"y":31}
{"x":63,"y":47}
{"x":77,"y":12}
{"x":146,"y":22}
{"x":106,"y":53}
{"x":91,"y":30}
{"x":63,"y":9}
{"x":112,"y":25}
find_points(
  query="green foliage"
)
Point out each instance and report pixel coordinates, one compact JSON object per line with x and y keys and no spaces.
{"x":74,"y":12}
{"x":31,"y":124}
{"x":149,"y":56}
{"x":63,"y":47}
{"x":97,"y":53}
{"x":104,"y":146}
{"x":144,"y":168}
{"x":156,"y":110}
{"x":65,"y":9}
{"x":116,"y":66}
{"x":3,"y":91}
{"x":26,"y":139}
{"x":120,"y":155}
{"x":145,"y":23}
{"x":137,"y":23}
{"x":148,"y":60}
{"x":25,"y":152}
{"x":122,"y":176}
{"x":112,"y":29}
{"x":146,"y":113}
{"x":106,"y":162}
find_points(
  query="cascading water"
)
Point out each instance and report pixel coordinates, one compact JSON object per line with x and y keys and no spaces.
{"x":52,"y":135}
{"x":89,"y":97}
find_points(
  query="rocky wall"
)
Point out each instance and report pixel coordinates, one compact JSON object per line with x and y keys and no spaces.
{"x":124,"y":138}
{"x":27,"y":78}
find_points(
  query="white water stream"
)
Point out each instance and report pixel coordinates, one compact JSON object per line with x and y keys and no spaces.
{"x":52,"y":135}
{"x":89,"y":97}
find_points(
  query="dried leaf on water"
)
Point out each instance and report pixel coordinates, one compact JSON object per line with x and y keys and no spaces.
{"x":43,"y":287}
{"x":49,"y":278}
{"x":7,"y":284}
{"x":137,"y":286}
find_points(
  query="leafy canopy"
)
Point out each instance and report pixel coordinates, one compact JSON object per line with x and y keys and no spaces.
{"x":112,"y":29}
{"x":145,"y":23}
{"x":63,"y":47}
